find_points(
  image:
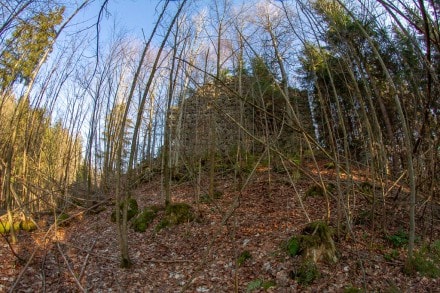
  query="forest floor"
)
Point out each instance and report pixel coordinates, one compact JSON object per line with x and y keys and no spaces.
{"x":236,"y":243}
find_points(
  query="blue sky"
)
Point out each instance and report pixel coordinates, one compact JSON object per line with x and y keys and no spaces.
{"x":132,"y":16}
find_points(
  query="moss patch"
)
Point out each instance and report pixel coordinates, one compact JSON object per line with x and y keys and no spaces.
{"x":179,"y":213}
{"x":143,"y":220}
{"x":4,"y":227}
{"x":176,"y":214}
{"x":315,"y":190}
{"x":62,"y":220}
{"x":316,"y":242}
{"x":28,"y":225}
{"x":260,"y":284}
{"x":306,"y":273}
{"x":132,"y":209}
{"x":293,"y":246}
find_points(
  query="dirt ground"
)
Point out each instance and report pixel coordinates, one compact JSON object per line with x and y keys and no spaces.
{"x":201,"y":256}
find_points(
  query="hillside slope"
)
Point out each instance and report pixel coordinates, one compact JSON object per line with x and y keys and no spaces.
{"x":236,"y":242}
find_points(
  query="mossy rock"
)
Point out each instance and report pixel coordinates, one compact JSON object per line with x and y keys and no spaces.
{"x":179,"y":213}
{"x":62,"y":220}
{"x":17,"y":226}
{"x":132,"y":210}
{"x":176,"y":214}
{"x":28,"y":225}
{"x":315,"y":243}
{"x":5,"y":227}
{"x":143,"y":220}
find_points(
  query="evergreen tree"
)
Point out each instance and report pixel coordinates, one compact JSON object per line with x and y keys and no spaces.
{"x":26,"y":46}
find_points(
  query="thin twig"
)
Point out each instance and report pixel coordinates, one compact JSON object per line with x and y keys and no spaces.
{"x":83,"y":269}
{"x":70,"y":269}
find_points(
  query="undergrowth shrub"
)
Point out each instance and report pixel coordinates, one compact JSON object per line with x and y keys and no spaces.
{"x":243,"y":257}
{"x":426,"y":261}
{"x":398,"y":239}
{"x":260,"y":284}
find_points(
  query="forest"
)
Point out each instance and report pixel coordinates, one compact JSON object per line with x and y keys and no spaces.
{"x":234,"y":146}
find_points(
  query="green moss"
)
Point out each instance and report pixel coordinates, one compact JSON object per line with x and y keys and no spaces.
{"x":293,"y":246}
{"x":28,"y":225}
{"x":157,"y":208}
{"x":398,"y":239}
{"x":260,"y":284}
{"x":62,"y":220}
{"x":205,"y":198}
{"x":132,"y":210}
{"x":217,"y":194}
{"x":179,"y":213}
{"x":17,"y":226}
{"x":143,"y":220}
{"x":307,"y":273}
{"x":162,"y":224}
{"x":314,"y":243}
{"x":329,"y":166}
{"x":268,"y":284}
{"x":394,"y":254}
{"x":426,"y":267}
{"x":319,"y":228}
{"x":426,"y":261}
{"x":315,"y":190}
{"x":243,"y":257}
{"x":5,"y":227}
{"x":254,"y":285}
{"x":176,"y":214}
